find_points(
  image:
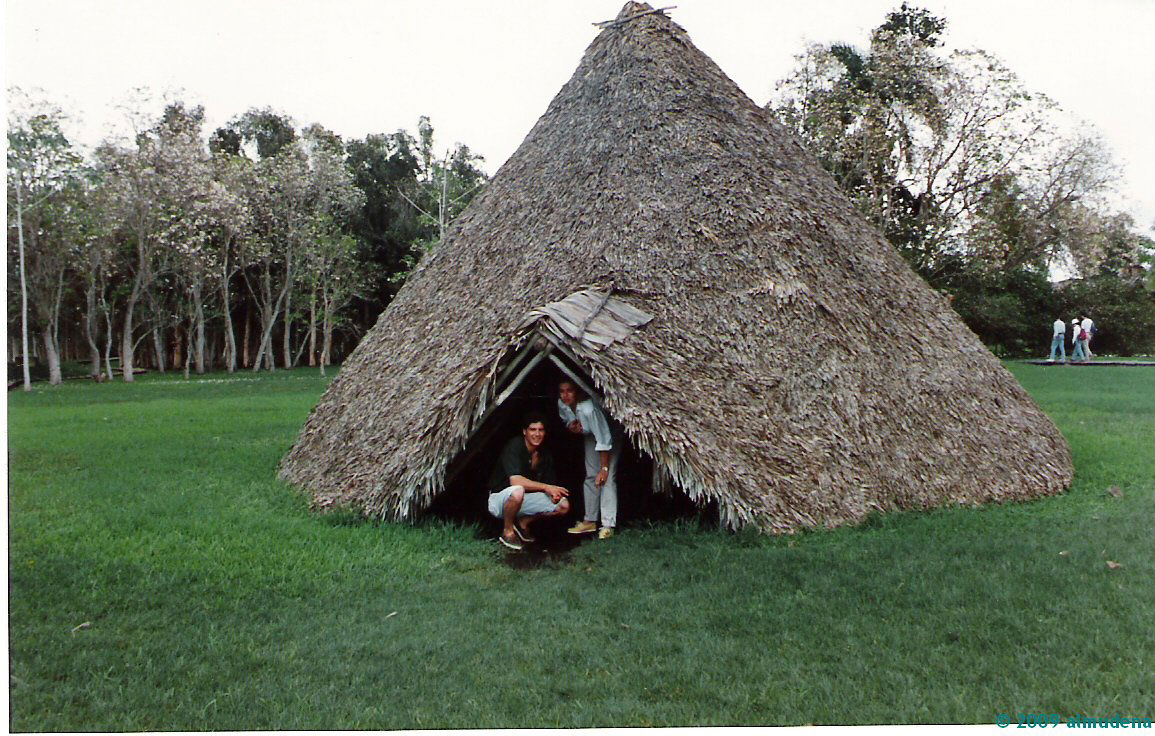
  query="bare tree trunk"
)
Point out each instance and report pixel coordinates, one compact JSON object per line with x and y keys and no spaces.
{"x":263,"y":306}
{"x":230,"y":337}
{"x":265,"y":345}
{"x":108,"y":340}
{"x":52,"y":333}
{"x":23,"y":287}
{"x":109,"y":337}
{"x":126,"y":344}
{"x":157,"y":331}
{"x":188,"y":348}
{"x":300,"y":351}
{"x":286,"y":347}
{"x":245,"y":340}
{"x":312,"y":329}
{"x":199,"y":347}
{"x":52,"y":351}
{"x":286,"y":298}
{"x":177,"y":347}
{"x":270,"y":310}
{"x":92,"y":325}
{"x":327,"y":330}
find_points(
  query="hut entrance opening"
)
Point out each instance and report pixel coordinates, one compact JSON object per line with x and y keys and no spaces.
{"x":468,"y":475}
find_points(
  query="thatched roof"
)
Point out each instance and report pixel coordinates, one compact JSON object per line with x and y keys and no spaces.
{"x":795,"y":370}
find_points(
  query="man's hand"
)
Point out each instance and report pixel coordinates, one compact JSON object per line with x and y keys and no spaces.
{"x":575,"y":426}
{"x":603,"y":476}
{"x":556,"y":493}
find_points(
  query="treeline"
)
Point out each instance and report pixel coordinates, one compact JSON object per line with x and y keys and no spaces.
{"x":258,"y":245}
{"x":263,"y":244}
{"x":983,"y":186}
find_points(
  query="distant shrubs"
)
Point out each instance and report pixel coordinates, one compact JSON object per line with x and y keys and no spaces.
{"x":1012,"y":312}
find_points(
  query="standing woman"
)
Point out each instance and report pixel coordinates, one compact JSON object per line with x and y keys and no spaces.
{"x":1088,"y":326}
{"x":602,"y":451}
{"x":1080,"y":345}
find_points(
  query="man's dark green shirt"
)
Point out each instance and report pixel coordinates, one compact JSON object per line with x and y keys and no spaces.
{"x":515,"y":460}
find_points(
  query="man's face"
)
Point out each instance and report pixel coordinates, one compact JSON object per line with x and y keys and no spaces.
{"x":568,"y":394}
{"x":534,"y":435}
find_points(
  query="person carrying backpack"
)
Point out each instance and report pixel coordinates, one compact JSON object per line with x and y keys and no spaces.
{"x":1079,"y":354}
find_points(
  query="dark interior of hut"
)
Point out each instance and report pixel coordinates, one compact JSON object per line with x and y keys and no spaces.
{"x":468,"y":475}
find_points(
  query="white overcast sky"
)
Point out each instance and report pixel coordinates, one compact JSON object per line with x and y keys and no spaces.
{"x":485,"y":70}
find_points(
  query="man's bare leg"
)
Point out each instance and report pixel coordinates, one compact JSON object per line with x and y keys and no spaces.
{"x":562,"y":510}
{"x":509,"y":513}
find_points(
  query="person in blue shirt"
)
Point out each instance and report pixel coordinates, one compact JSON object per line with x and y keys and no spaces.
{"x":583,"y":417}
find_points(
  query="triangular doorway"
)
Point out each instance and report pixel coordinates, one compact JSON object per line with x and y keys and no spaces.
{"x":528,"y":381}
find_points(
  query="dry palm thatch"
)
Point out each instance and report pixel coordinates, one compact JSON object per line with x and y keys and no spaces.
{"x":795,"y":369}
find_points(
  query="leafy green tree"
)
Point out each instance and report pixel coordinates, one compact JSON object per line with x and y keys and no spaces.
{"x":98,"y":267}
{"x":1123,"y":311}
{"x":411,"y":198}
{"x":334,"y":274}
{"x":287,"y":194}
{"x":964,"y":171}
{"x":234,"y":233}
{"x":42,"y":166}
{"x":382,"y":166}
{"x":922,"y":141}
{"x":152,"y":190}
{"x":268,"y":130}
{"x":193,"y":204}
{"x":441,"y":191}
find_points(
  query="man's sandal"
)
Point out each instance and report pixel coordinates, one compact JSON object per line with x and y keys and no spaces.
{"x":513,"y":544}
{"x":525,"y":535}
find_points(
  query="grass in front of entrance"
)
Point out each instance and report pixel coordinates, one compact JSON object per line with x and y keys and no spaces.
{"x":161,"y":578}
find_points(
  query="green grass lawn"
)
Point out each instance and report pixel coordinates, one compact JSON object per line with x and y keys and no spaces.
{"x":161,"y":578}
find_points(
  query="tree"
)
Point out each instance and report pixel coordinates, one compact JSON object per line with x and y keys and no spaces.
{"x":41,"y":163}
{"x":149,"y":243}
{"x":234,"y":233}
{"x":292,"y":191}
{"x":442,"y":189}
{"x":922,"y":142}
{"x":334,"y":273}
{"x":98,"y":267}
{"x":965,"y":171}
{"x":276,"y":197}
{"x":331,"y":258}
{"x":194,"y":205}
{"x":382,"y":166}
{"x":144,"y":194}
{"x":267,"y":131}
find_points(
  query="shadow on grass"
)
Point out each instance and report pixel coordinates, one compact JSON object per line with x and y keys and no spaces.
{"x":551,"y":549}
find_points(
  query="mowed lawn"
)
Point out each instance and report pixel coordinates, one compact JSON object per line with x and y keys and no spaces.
{"x":162,"y":578}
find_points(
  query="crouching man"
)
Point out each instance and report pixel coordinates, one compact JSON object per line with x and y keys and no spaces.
{"x":525,"y":472}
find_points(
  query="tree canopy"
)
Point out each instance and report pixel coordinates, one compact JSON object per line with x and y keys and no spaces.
{"x":176,"y":240}
{"x":984,"y":186}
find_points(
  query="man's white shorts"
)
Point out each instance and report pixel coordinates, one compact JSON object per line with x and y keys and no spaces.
{"x":534,"y":503}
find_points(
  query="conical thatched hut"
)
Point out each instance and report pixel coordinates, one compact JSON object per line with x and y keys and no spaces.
{"x":659,"y":234}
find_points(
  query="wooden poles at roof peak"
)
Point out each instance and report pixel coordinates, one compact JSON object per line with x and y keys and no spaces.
{"x":615,"y":22}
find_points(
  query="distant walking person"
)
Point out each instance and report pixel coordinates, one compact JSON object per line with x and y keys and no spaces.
{"x":1079,"y":351}
{"x":1059,"y":340}
{"x":1088,"y":327}
{"x":600,"y":491}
